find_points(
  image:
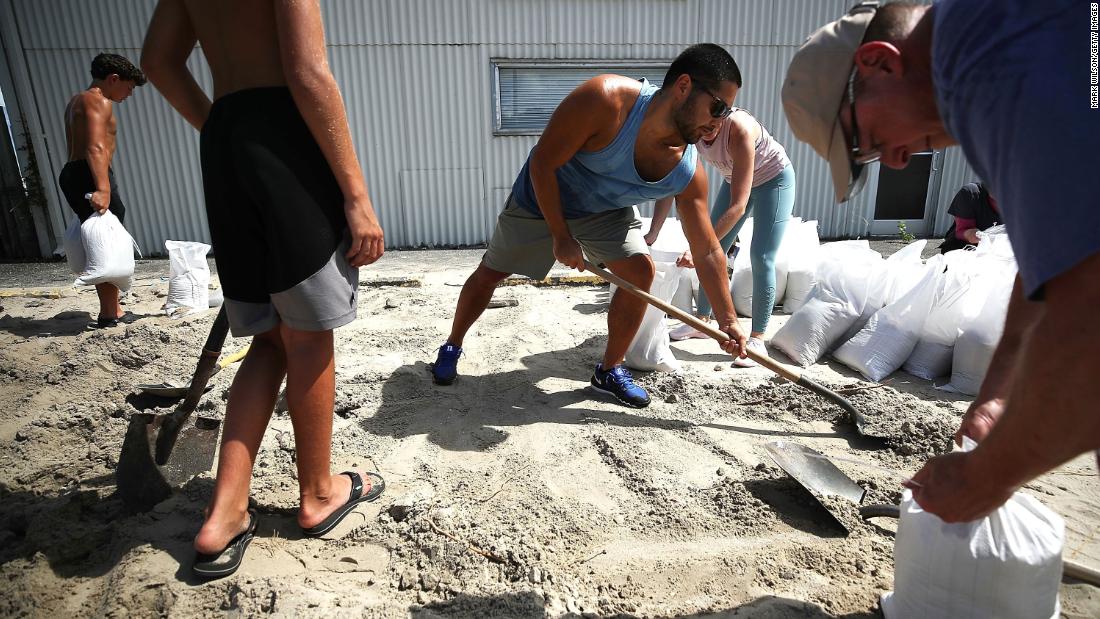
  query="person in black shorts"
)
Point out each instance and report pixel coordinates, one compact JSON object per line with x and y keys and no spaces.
{"x":291,"y":223}
{"x":76,"y":183}
{"x":87,"y":180}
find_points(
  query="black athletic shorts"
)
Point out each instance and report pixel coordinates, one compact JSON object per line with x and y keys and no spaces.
{"x":76,"y":181}
{"x":276,"y":217}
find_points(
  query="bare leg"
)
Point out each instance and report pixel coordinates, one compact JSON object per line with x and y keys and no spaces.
{"x":475,"y":297}
{"x":251,"y":401}
{"x":108,"y":301}
{"x":626,"y":311}
{"x":310,"y":394}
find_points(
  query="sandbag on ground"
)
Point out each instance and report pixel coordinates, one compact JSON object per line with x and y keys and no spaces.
{"x":888,"y":338}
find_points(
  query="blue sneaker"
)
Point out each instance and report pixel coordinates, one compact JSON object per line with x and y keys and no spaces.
{"x":618,"y":382}
{"x":445,"y":368}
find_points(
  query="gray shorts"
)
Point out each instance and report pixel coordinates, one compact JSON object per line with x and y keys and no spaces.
{"x":321,"y":302}
{"x":522,"y":242}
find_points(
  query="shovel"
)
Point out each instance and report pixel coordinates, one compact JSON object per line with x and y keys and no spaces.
{"x":790,"y":374}
{"x":821,"y":477}
{"x":141,"y":482}
{"x":172,"y":389}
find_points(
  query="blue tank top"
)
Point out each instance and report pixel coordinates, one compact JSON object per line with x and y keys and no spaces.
{"x":605,"y":180}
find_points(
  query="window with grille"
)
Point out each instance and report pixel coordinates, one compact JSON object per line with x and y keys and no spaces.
{"x":526,"y":93}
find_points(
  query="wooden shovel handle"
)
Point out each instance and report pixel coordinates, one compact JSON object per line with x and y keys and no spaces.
{"x":790,"y":374}
{"x":764,"y":360}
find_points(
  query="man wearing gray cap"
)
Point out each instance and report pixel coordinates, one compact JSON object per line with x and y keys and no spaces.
{"x":1009,"y":81}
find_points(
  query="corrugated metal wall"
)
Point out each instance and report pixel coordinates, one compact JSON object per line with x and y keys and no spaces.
{"x":416,"y":76}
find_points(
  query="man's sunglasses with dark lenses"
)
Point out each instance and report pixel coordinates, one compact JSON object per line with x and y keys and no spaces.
{"x":718,"y":107}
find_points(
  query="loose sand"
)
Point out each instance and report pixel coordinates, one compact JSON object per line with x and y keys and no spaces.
{"x":515,"y":492}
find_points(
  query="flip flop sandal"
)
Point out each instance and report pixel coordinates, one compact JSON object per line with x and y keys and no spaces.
{"x":228,"y":560}
{"x":357,"y":496}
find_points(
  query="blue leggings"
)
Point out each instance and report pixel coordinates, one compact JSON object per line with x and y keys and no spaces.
{"x":770,"y":206}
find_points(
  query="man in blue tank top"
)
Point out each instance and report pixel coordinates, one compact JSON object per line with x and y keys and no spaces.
{"x":612,"y":143}
{"x":1013,"y":83}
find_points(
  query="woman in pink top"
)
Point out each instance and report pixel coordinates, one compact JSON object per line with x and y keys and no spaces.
{"x":759,"y":181}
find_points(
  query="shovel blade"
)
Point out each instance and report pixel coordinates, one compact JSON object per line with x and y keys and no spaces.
{"x":141,"y":483}
{"x":194,"y":450}
{"x":816,"y":474}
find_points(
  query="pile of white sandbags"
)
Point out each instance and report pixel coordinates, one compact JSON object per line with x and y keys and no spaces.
{"x":846,"y":275}
{"x":947,"y":319}
{"x":888,"y":338}
{"x":797,"y":255}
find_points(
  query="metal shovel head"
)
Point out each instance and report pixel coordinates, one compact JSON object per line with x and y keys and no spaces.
{"x":167,"y":389}
{"x":815,"y":473}
{"x":194,"y":449}
{"x":141,"y":483}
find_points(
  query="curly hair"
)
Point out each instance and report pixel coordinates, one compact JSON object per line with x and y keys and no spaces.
{"x":107,"y":64}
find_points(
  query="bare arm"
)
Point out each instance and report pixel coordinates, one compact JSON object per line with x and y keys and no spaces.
{"x":989,"y":404}
{"x":710,"y":260}
{"x":1049,"y":418}
{"x":311,"y":83}
{"x":168,"y":43}
{"x":97,"y":114}
{"x":577,"y":119}
{"x":661,"y":209}
{"x":743,"y":153}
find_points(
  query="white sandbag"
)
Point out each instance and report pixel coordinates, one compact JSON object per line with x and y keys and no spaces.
{"x":835,"y":306}
{"x":930,"y":360}
{"x":1003,"y":566}
{"x":686,"y":291}
{"x":888,"y":338}
{"x":959,"y":297}
{"x":814,"y":327}
{"x":741,"y":291}
{"x":668,"y":247}
{"x":188,"y":278}
{"x":971,"y":281}
{"x":74,"y":248}
{"x":870,"y":292}
{"x":216,"y":297}
{"x":741,"y":283}
{"x":109,"y":252}
{"x":976,"y":344}
{"x":903,"y":270}
{"x":801,"y":266}
{"x":650,"y":348}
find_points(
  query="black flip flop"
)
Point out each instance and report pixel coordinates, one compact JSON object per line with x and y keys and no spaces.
{"x":357,"y":496}
{"x":229,"y":559}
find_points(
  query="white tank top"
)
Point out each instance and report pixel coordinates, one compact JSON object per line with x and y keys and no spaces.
{"x":769,"y":161}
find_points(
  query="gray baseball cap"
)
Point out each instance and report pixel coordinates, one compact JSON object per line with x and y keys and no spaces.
{"x":814,"y":89}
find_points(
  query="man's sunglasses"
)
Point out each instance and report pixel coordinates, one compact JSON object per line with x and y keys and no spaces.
{"x":718,"y":107}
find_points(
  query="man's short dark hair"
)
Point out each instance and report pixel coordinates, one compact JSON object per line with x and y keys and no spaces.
{"x":707,"y":63}
{"x":891,"y":22}
{"x":106,"y":64}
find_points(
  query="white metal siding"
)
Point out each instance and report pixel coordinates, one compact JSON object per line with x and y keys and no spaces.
{"x":416,"y":77}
